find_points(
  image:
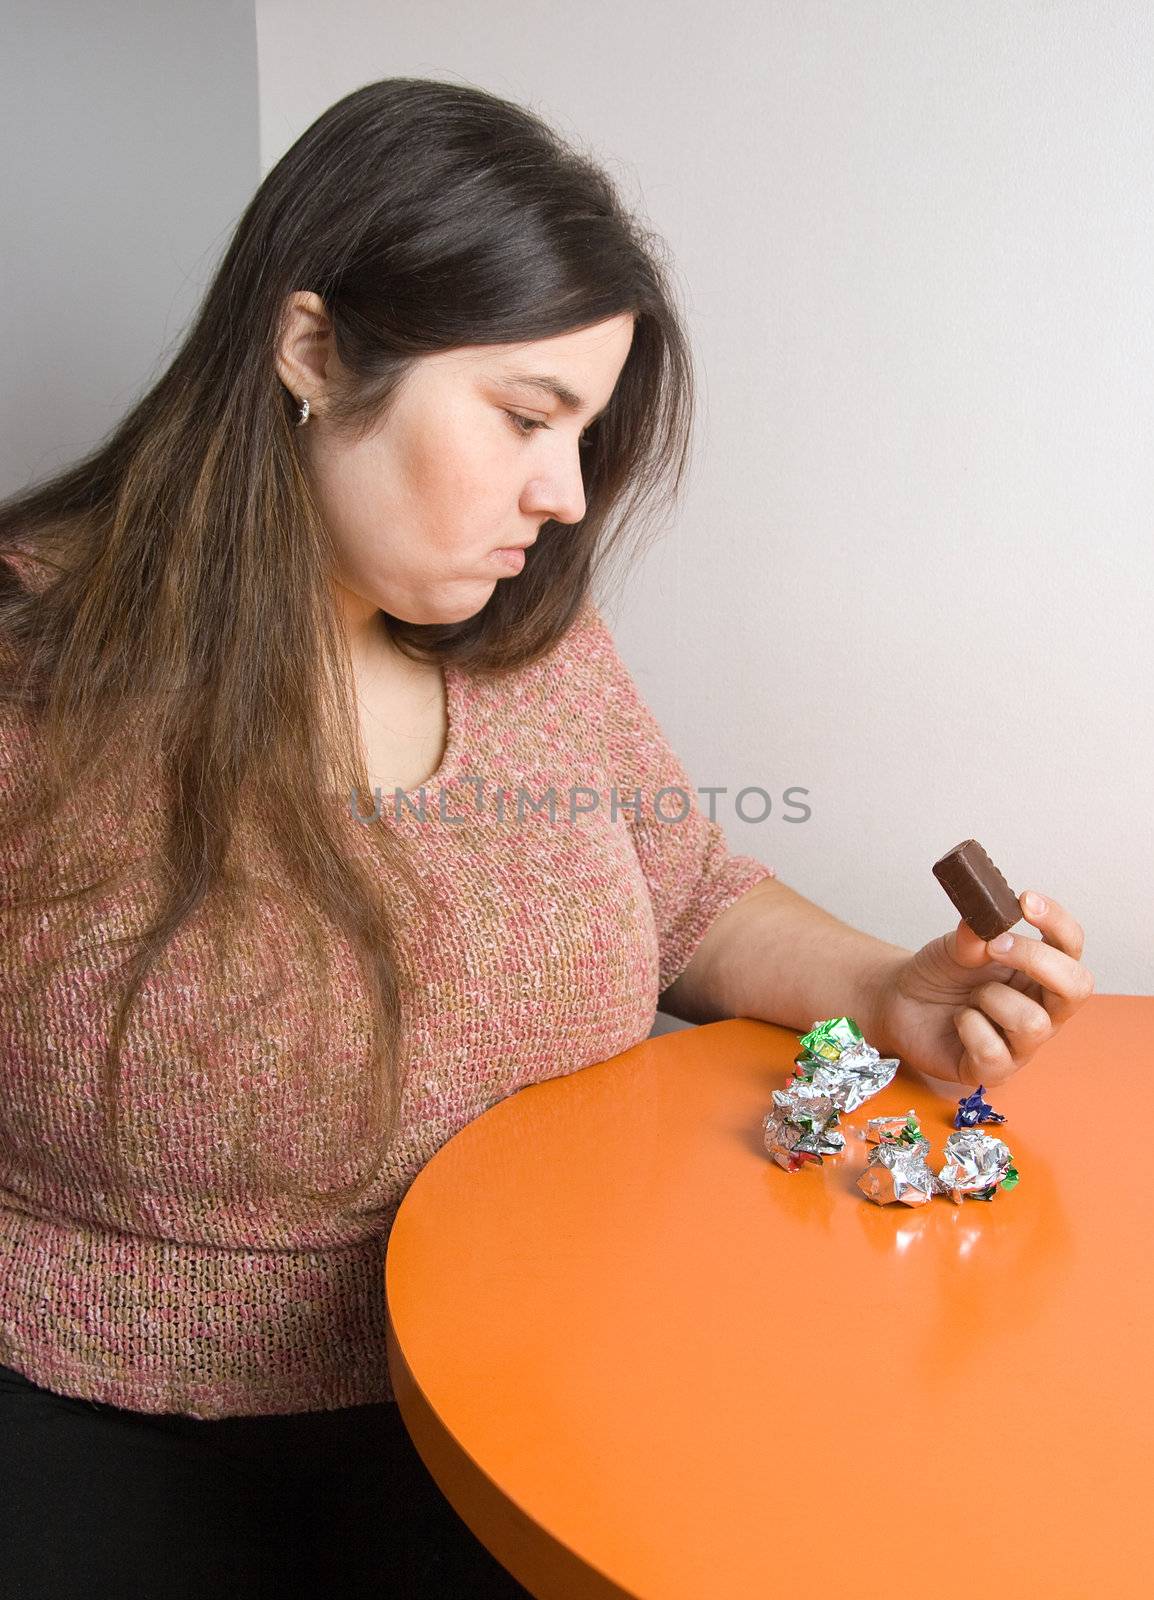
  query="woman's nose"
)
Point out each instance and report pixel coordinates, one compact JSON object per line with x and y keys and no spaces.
{"x":562,"y":496}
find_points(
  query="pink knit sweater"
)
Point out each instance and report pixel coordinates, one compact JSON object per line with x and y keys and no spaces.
{"x":191,"y":1290}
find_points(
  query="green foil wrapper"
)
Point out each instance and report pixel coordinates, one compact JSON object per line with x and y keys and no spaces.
{"x":828,"y":1039}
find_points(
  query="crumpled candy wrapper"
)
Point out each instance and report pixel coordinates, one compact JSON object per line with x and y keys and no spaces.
{"x":977,"y":1165}
{"x":879,"y":1128}
{"x":801,"y":1127}
{"x":972,"y":1109}
{"x":897,"y":1167}
{"x":835,"y":1071}
{"x":828,"y":1039}
{"x":850,"y":1077}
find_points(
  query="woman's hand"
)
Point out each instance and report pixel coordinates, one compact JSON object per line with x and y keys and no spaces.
{"x":959,"y":1009}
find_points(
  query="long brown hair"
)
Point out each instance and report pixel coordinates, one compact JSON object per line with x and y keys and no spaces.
{"x":183,"y":631}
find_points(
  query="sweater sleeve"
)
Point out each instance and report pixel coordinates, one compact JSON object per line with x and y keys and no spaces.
{"x":691,"y":873}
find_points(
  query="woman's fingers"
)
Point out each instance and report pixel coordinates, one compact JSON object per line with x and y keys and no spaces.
{"x":1056,"y":925}
{"x":987,"y":1056}
{"x":1045,"y":983}
{"x":1064,"y":983}
{"x":1022,"y":1022}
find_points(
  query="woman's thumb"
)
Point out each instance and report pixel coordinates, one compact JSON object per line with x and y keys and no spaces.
{"x":965,"y":947}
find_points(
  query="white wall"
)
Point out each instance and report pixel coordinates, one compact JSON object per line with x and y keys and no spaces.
{"x":914,"y":571}
{"x":912,"y":574}
{"x":130,"y":148}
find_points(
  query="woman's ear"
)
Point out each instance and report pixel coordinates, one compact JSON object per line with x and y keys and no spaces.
{"x":305,"y":350}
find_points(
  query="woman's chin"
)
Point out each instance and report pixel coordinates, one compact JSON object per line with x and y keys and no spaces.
{"x":448,"y":609}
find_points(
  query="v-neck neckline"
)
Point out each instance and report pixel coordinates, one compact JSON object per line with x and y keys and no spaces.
{"x":456,"y":692}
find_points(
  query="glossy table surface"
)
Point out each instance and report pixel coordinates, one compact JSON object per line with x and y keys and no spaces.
{"x":641,"y":1359}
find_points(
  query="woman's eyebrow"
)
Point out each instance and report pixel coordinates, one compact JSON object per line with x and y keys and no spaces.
{"x":550,"y":385}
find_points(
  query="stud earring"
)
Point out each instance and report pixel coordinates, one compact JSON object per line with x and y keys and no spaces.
{"x":304,"y":412}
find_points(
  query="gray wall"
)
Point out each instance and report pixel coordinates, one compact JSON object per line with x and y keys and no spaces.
{"x":913,"y":572}
{"x":130,"y":138}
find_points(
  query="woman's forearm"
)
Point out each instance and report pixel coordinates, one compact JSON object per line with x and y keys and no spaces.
{"x":776,"y":956}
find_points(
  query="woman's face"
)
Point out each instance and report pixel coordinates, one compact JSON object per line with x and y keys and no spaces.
{"x":469,"y":462}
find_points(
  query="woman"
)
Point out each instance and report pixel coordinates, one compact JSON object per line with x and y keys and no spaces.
{"x":344,"y":549}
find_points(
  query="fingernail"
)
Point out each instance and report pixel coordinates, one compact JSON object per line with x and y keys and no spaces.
{"x":1002,"y":943}
{"x":1035,"y":904}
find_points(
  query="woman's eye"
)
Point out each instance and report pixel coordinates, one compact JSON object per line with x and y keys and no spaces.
{"x":525,"y":426}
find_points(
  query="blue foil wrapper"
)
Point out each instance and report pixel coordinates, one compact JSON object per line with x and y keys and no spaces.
{"x":972,"y":1109}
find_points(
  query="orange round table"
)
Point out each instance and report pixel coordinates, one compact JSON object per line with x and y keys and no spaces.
{"x":640,"y":1359}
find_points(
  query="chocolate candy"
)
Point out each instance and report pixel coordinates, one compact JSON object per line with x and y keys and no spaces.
{"x":982,"y":896}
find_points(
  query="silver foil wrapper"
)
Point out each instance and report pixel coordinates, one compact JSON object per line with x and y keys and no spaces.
{"x":975,"y":1161}
{"x":803,"y":1121}
{"x":858,"y":1073}
{"x":898,"y":1171}
{"x":879,"y":1128}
